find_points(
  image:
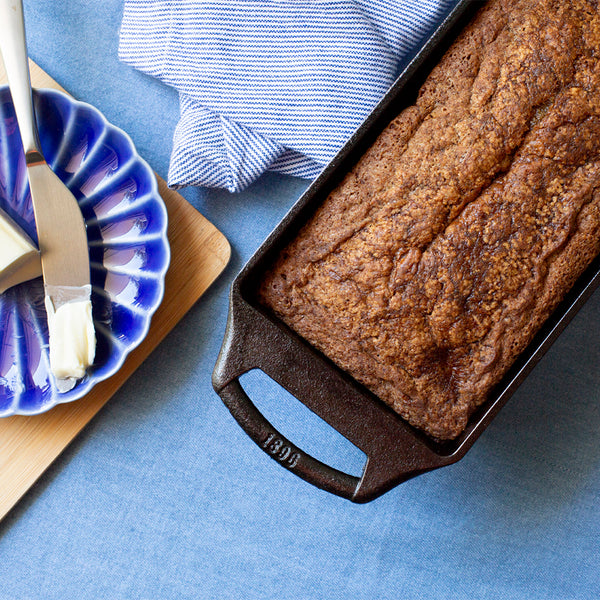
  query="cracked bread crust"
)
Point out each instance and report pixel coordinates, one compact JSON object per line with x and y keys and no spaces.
{"x":440,"y":255}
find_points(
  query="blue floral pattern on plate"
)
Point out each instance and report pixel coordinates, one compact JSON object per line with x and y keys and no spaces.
{"x":126,"y":223}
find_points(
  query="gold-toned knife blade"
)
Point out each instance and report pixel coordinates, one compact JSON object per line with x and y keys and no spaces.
{"x":62,"y":237}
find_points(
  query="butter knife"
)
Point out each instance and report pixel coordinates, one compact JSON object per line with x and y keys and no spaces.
{"x":62,"y":237}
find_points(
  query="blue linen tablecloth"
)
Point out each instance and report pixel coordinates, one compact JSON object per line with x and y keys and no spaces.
{"x":163,"y":495}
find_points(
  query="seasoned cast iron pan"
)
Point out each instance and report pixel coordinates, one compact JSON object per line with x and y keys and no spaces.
{"x":256,"y":339}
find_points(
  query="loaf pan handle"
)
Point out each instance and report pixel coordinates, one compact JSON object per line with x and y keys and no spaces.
{"x":394,"y":451}
{"x":281,"y":449}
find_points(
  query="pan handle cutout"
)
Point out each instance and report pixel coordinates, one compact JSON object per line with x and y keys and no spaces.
{"x":282,"y":450}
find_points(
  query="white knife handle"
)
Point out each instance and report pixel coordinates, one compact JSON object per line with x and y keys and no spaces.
{"x":14,"y":52}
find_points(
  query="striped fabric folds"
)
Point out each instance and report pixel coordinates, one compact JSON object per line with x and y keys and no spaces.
{"x":270,"y":85}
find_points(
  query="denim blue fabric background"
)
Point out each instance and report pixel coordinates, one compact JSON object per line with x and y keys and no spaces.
{"x":164,"y":496}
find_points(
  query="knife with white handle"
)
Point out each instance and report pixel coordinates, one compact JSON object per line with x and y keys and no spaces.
{"x":62,"y":237}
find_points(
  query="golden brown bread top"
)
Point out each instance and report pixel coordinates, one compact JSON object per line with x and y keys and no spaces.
{"x":439,"y":256}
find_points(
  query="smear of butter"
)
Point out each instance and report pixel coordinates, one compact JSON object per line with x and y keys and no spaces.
{"x":72,"y":338}
{"x":19,"y":258}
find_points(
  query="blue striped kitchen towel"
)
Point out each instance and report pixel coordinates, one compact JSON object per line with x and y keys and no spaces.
{"x":274,"y":85}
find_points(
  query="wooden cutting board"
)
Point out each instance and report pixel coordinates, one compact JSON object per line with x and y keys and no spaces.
{"x":199,"y":252}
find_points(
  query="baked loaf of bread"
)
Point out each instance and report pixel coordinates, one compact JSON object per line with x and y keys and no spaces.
{"x":434,"y":263}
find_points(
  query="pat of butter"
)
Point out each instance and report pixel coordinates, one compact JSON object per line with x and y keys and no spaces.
{"x":72,"y":338}
{"x":19,"y":258}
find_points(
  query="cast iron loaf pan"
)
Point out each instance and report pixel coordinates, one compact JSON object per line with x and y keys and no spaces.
{"x":256,"y":339}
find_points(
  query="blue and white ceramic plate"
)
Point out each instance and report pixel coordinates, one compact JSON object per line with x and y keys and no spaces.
{"x":127,"y":233}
